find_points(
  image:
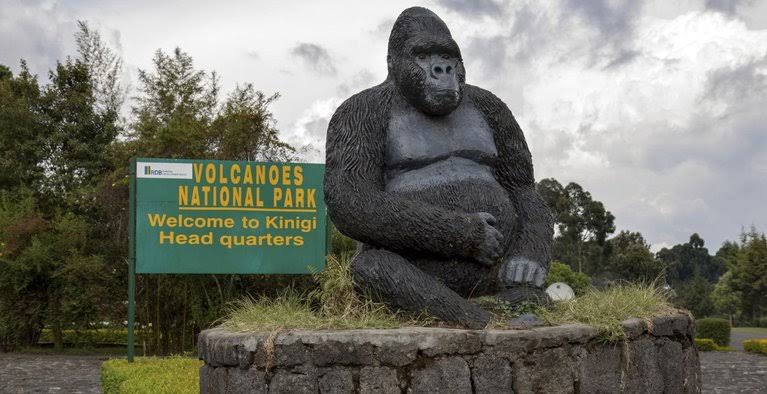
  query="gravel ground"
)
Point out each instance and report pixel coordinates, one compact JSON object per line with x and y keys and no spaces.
{"x":28,"y":373}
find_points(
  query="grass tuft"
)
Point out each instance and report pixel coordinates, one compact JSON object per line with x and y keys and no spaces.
{"x":336,"y":305}
{"x":606,"y":309}
{"x":333,"y":305}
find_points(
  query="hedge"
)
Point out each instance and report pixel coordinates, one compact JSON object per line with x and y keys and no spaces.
{"x":761,"y":322}
{"x":151,"y":375}
{"x":705,"y":344}
{"x":716,"y":329}
{"x":94,"y":336}
{"x":758,"y":346}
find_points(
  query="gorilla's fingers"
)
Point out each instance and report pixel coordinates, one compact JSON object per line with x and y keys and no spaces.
{"x":488,"y":218}
{"x":540,"y":277}
{"x":531,"y":272}
{"x":519,"y":271}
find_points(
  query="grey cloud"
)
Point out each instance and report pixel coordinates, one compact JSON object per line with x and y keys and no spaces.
{"x":474,"y":9}
{"x":613,"y":18}
{"x":384,"y":28}
{"x":361,"y":80}
{"x":252,"y":54}
{"x":315,"y":57}
{"x":726,"y":6}
{"x":37,"y":32}
{"x":736,"y":85}
{"x":623,"y":58}
{"x":615,"y":21}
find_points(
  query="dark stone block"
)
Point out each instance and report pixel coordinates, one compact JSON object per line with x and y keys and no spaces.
{"x":445,"y":375}
{"x":600,"y":370}
{"x":337,"y":381}
{"x":377,"y":380}
{"x":548,"y":371}
{"x":490,"y":374}
{"x":642,"y":374}
{"x":301,"y":380}
{"x":245,"y":381}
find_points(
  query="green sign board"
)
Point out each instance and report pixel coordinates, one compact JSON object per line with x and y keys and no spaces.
{"x":208,"y":216}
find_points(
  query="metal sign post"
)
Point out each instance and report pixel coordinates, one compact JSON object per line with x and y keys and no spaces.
{"x":131,"y":260}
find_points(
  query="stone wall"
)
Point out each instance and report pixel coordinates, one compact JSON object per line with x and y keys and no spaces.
{"x":658,"y":356}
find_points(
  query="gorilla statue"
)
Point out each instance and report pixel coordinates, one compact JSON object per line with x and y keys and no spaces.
{"x":433,"y":178}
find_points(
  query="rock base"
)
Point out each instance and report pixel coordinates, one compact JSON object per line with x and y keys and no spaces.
{"x":657,"y":356}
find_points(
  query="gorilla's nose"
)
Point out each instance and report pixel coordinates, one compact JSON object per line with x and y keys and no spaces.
{"x":439,"y":69}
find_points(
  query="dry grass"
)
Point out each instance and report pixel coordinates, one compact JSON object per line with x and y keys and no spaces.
{"x":334,"y":305}
{"x":606,"y":309}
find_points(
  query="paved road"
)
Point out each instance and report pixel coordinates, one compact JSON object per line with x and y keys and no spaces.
{"x":723,"y":372}
{"x":733,"y":372}
{"x":28,"y":373}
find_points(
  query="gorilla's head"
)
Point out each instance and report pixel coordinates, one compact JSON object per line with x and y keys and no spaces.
{"x":425,"y":63}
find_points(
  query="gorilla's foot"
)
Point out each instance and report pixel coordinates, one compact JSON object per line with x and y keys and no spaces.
{"x":399,"y":283}
{"x":522,"y":293}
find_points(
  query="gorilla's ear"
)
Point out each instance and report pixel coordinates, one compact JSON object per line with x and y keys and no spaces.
{"x":389,"y":64}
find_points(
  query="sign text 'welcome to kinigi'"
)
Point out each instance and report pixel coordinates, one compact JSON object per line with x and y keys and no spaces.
{"x":207,"y":216}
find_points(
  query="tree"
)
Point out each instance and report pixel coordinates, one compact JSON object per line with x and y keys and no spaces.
{"x":244,"y":129}
{"x":684,"y":261}
{"x":630,"y":258}
{"x":695,"y":295}
{"x":21,"y":126}
{"x":175,"y":107}
{"x":725,"y":297}
{"x":583,"y":224}
{"x":749,"y":275}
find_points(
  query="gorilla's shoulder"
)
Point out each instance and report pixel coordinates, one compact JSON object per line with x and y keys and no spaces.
{"x":483,"y":98}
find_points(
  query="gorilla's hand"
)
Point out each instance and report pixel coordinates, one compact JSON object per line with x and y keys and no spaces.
{"x":518,"y":270}
{"x":490,"y":248}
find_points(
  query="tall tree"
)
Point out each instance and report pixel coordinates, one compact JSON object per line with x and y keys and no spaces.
{"x":245,"y":128}
{"x":175,"y":107}
{"x":750,"y":274}
{"x":684,"y":261}
{"x":21,"y":125}
{"x":583,"y":224}
{"x":630,"y":258}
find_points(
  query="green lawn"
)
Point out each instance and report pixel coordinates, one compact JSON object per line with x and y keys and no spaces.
{"x":757,"y":331}
{"x":151,"y":375}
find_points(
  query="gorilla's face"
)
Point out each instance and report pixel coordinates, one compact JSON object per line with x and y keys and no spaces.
{"x":429,"y":73}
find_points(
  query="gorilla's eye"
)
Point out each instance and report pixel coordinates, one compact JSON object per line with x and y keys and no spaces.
{"x":421,"y":56}
{"x":446,"y":56}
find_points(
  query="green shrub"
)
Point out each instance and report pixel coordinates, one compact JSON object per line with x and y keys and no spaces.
{"x":705,"y":344}
{"x":716,"y":329}
{"x":758,"y":346}
{"x":151,"y":375}
{"x":761,"y":322}
{"x":93,"y":336}
{"x":560,"y":272}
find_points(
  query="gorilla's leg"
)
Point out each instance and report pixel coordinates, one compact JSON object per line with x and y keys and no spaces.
{"x":398,"y":282}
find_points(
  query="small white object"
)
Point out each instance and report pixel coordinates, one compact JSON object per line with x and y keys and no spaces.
{"x":560,"y":291}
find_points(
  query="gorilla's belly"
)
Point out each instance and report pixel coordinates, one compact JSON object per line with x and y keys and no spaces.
{"x":457,"y":184}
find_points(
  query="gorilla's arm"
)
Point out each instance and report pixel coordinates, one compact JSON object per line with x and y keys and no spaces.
{"x":514,"y":171}
{"x":354,"y":188}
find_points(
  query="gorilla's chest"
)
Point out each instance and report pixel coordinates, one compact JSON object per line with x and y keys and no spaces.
{"x":415,"y":139}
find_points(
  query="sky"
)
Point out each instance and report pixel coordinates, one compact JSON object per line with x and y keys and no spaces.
{"x":658,"y":108}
